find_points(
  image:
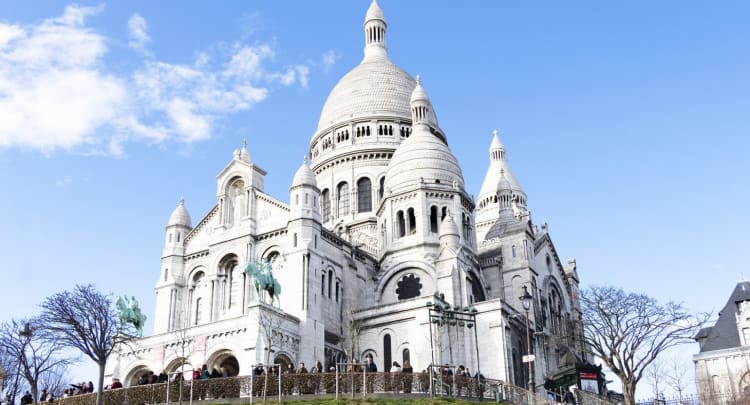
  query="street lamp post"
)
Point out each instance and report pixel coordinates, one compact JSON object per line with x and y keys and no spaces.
{"x":25,"y":334}
{"x":526,"y":299}
{"x":458,"y":317}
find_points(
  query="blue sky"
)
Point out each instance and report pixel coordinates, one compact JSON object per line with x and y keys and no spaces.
{"x":626,"y":123}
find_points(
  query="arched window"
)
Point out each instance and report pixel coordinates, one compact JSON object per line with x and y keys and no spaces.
{"x":337,"y":291}
{"x":325,"y":205}
{"x":234,"y":207}
{"x":166,"y":274}
{"x":400,"y":225}
{"x":198,"y":311}
{"x":381,"y":189}
{"x":412,"y":222}
{"x":513,"y":250}
{"x":364,"y":195}
{"x":342,"y":199}
{"x":330,"y":278}
{"x":387,"y":352}
{"x":444,"y":213}
{"x":433,"y":219}
{"x":405,"y":358}
{"x":323,"y":286}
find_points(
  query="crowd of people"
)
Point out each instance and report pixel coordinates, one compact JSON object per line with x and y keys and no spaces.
{"x":48,"y":395}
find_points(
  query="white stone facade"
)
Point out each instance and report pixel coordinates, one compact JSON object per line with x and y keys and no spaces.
{"x":376,"y":227}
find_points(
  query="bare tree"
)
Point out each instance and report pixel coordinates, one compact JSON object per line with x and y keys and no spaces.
{"x":85,"y":319}
{"x":55,"y":379}
{"x":184,"y":347}
{"x":36,"y":352}
{"x":627,"y":331}
{"x":270,"y":325}
{"x":678,"y":374}
{"x":656,"y":376}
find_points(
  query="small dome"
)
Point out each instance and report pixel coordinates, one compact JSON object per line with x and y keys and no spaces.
{"x":496,"y":144}
{"x":423,"y":157}
{"x":304,"y":176}
{"x":180,"y":216}
{"x":448,"y":226}
{"x":419,"y":94}
{"x":374,"y":12}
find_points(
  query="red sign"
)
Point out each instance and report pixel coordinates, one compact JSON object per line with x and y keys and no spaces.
{"x":589,"y":376}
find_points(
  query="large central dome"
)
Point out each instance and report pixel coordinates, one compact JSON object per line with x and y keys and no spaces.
{"x":374,"y":88}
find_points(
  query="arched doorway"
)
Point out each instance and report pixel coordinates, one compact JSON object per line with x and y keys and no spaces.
{"x":231,"y":366}
{"x":132,"y":378}
{"x":226,"y":362}
{"x":180,"y":365}
{"x":282,"y":359}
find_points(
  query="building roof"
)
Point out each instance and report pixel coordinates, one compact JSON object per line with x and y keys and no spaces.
{"x":724,"y":333}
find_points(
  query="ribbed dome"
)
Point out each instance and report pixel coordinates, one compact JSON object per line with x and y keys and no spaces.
{"x":304,"y":175}
{"x":422,"y":157}
{"x":373,"y":88}
{"x":180,"y":216}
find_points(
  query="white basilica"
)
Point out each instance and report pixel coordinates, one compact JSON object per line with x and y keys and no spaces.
{"x":377,"y":231}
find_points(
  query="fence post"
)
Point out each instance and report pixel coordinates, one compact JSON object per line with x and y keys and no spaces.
{"x":191,"y":391}
{"x":364,"y":383}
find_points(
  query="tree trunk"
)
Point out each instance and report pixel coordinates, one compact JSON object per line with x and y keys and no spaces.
{"x":100,"y":385}
{"x":628,"y":391}
{"x":35,"y":390}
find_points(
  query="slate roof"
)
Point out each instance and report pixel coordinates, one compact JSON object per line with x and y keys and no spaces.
{"x":724,"y":333}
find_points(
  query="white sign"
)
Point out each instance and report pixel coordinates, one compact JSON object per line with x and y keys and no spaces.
{"x":528,"y":358}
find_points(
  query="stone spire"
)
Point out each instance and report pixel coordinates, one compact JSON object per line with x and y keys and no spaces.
{"x":375,"y":27}
{"x":500,"y":187}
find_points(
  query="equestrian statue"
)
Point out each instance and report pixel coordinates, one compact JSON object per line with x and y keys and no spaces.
{"x":263,"y":280}
{"x":129,"y":313}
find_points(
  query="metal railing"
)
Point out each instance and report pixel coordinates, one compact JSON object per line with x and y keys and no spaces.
{"x":277,"y":387}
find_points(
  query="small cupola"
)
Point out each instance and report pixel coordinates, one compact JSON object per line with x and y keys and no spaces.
{"x":375,"y":26}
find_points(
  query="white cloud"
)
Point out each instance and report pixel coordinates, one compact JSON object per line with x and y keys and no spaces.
{"x":138,"y":32}
{"x":56,"y":91}
{"x":328,"y":59}
{"x":52,"y":92}
{"x":303,"y":73}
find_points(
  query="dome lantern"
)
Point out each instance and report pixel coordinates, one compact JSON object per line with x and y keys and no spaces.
{"x":375,"y":27}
